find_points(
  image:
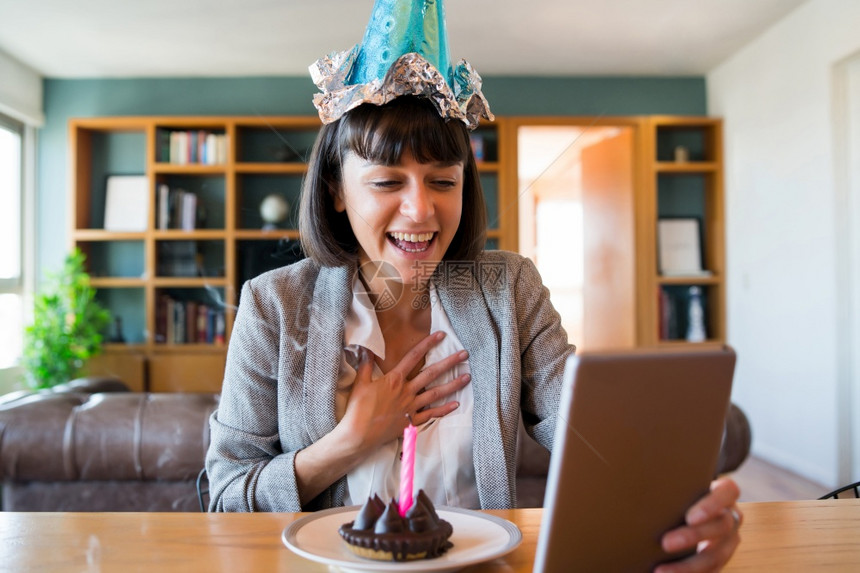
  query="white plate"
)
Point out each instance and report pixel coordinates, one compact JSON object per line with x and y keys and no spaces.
{"x":477,"y":537}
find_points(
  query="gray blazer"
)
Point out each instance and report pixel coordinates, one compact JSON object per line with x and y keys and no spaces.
{"x":282,"y":368}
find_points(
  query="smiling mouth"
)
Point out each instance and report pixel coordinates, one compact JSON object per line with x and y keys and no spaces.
{"x":412,"y":242}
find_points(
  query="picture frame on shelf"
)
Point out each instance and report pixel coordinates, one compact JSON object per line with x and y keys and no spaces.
{"x":126,"y":203}
{"x":679,"y":244}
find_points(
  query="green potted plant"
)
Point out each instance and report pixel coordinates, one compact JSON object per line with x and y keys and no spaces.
{"x":67,"y":326}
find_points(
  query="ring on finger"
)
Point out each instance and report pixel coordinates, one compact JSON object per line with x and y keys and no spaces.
{"x":736,"y":517}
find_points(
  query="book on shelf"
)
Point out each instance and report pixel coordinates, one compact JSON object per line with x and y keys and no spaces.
{"x":126,"y":203}
{"x":679,"y":246}
{"x":178,"y":259}
{"x":188,"y":322}
{"x":177,"y":209}
{"x":668,"y":327}
{"x":192,"y":147}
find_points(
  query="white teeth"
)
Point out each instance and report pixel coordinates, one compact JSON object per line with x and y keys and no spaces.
{"x":412,"y":237}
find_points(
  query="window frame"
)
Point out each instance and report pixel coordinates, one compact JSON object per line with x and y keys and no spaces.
{"x":24,"y":284}
{"x":16,"y":285}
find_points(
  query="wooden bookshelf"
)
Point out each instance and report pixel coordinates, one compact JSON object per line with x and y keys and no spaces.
{"x":692,"y":188}
{"x":130,"y":269}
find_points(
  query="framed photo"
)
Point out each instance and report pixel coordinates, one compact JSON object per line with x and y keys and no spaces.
{"x":126,"y":203}
{"x":680,"y":247}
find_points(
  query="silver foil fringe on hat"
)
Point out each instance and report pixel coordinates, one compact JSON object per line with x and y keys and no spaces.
{"x":410,"y":74}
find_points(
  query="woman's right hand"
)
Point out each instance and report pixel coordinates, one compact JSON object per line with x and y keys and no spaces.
{"x":376,"y":414}
{"x":377,"y":407}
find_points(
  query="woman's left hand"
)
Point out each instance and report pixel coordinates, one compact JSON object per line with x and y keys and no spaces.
{"x":712,"y":527}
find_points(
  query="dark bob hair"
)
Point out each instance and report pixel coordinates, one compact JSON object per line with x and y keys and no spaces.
{"x":382,"y":134}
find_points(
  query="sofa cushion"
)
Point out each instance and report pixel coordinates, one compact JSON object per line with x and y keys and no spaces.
{"x":103,"y":437}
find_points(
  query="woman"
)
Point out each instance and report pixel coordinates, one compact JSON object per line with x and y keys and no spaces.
{"x":398,"y":311}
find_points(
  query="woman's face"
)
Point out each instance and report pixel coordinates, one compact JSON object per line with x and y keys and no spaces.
{"x":405,"y":215}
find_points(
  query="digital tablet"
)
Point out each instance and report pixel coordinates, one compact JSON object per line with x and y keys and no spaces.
{"x":637,"y":440}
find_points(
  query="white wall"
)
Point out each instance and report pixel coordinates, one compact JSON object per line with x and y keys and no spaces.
{"x":20,"y":91}
{"x":784,"y":274}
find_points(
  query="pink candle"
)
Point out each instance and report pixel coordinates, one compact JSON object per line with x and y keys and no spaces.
{"x":407,"y":468}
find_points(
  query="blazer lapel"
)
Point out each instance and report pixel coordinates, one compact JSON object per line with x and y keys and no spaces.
{"x":326,"y":316}
{"x":470,"y":316}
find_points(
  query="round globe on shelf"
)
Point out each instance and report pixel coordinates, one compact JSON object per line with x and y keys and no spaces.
{"x":274,"y":210}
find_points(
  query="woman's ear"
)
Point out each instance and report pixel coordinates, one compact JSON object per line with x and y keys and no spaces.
{"x":337,"y":197}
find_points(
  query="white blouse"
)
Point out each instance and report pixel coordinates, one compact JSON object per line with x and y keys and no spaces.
{"x":444,"y":468}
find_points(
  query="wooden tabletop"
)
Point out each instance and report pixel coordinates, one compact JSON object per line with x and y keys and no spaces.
{"x":778,"y":536}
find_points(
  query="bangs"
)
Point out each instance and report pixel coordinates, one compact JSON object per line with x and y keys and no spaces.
{"x":381,"y":134}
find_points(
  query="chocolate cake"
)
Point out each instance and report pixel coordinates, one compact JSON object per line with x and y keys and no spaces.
{"x":379,"y":532}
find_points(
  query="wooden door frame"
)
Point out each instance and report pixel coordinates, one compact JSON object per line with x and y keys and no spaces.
{"x":644,"y":199}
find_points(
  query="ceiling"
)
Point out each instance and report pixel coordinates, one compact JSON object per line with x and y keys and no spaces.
{"x":163,"y":38}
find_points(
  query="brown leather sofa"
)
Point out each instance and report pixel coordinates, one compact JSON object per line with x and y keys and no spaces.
{"x":94,"y":446}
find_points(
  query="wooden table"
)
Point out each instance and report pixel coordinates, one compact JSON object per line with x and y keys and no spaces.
{"x":778,"y":536}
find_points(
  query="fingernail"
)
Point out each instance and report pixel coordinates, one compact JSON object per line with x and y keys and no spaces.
{"x":439,"y":335}
{"x":463,"y":354}
{"x":456,"y":405}
{"x":364,"y":355}
{"x":466,"y":378}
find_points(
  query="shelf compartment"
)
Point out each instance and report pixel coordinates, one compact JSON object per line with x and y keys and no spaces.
{"x":102,"y":153}
{"x":189,"y":259}
{"x":115,"y":259}
{"x":198,"y":146}
{"x":673,"y":311}
{"x":252,"y":189}
{"x":190,"y":202}
{"x":692,"y":196}
{"x":485,"y":144}
{"x":275,"y":144}
{"x":190,"y":316}
{"x":490,"y":185}
{"x":126,"y":304}
{"x":253,"y":258}
{"x":698,"y":139}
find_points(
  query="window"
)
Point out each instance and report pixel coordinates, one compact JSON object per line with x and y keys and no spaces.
{"x":11,"y":244}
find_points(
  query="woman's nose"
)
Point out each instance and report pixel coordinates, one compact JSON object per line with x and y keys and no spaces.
{"x":417,"y":203}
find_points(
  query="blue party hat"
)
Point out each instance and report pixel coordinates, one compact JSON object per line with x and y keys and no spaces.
{"x":398,"y":28}
{"x":404,"y":52}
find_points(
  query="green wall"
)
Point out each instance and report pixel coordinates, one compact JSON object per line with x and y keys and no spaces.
{"x":65,"y":99}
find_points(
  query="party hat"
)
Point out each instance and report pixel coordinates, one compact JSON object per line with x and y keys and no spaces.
{"x":404,"y":52}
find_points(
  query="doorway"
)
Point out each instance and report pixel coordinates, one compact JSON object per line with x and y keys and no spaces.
{"x":577,"y":223}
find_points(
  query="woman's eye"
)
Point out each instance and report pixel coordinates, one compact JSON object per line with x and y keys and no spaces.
{"x":445,"y":183}
{"x":384,"y":183}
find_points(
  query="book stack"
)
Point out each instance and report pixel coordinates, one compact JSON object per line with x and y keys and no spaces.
{"x":188,"y":322}
{"x":179,"y":259}
{"x":192,"y":146}
{"x":668,"y":316}
{"x":177,"y":209}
